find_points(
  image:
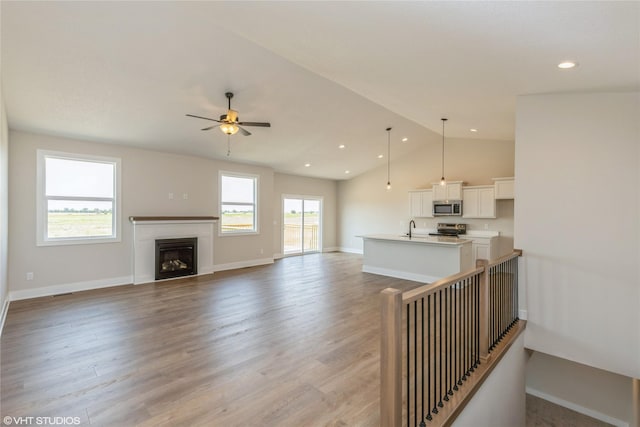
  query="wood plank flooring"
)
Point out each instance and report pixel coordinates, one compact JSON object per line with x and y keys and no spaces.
{"x":295,"y":343}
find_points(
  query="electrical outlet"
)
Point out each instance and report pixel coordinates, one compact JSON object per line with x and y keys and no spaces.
{"x":486,"y":226}
{"x":30,"y":275}
{"x":185,"y":196}
{"x":170,"y":196}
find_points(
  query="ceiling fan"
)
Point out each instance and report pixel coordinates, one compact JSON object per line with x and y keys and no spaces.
{"x":229,"y":123}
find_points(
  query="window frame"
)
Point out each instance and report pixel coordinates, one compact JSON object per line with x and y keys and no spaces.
{"x":221,"y":202}
{"x":42,"y":206}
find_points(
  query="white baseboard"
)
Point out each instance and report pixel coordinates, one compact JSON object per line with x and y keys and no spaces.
{"x":69,"y":287}
{"x":522,"y":314}
{"x":242,"y":264}
{"x":331,"y":249}
{"x":3,"y":315}
{"x":423,"y":278}
{"x":351,"y":250}
{"x":575,"y":407}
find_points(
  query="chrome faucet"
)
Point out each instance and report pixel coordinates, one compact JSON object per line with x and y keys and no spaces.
{"x":414,"y":226}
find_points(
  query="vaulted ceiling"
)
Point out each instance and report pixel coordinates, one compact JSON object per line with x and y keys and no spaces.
{"x":324,"y":74}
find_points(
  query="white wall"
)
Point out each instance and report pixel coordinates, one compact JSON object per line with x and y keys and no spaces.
{"x":500,"y":401}
{"x":147,"y":178}
{"x":302,"y":186}
{"x":594,"y":392}
{"x":365,"y":206}
{"x":577,"y":216}
{"x":4,"y":210}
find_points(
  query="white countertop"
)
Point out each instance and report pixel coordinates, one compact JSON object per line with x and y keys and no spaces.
{"x":419,"y":239}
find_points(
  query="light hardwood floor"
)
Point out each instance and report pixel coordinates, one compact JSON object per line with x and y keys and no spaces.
{"x":290,"y":344}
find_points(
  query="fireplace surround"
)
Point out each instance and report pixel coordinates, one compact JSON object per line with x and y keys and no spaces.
{"x":146,"y":230}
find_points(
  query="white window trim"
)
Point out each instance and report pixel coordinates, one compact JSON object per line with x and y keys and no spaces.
{"x":41,"y":205}
{"x":256,"y":204}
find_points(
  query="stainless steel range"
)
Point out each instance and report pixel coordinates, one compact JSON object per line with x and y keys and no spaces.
{"x":449,"y":229}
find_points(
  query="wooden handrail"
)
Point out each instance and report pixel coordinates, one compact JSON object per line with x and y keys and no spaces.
{"x":516,"y":253}
{"x":423,"y":291}
{"x":431,"y":288}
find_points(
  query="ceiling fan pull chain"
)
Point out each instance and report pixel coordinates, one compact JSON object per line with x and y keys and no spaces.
{"x":228,"y":145}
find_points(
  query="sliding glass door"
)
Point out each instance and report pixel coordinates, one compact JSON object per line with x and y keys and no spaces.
{"x":301,"y":224}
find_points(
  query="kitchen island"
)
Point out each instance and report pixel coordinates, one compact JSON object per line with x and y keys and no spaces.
{"x":421,"y":258}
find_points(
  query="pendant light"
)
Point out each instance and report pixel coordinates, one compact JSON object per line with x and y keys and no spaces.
{"x":442,"y":180}
{"x":388,"y":158}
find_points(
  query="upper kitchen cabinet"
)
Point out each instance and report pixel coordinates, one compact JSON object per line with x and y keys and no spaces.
{"x":479,"y":202}
{"x":421,"y":203}
{"x":504,"y":187}
{"x":452,"y":190}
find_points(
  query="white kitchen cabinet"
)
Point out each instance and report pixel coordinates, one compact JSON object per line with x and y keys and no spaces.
{"x":504,"y":188}
{"x":421,"y":203}
{"x":483,"y":247}
{"x":479,"y":202}
{"x":450,"y":191}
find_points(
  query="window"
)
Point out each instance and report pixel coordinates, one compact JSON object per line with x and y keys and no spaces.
{"x":238,"y":203}
{"x":78,"y":199}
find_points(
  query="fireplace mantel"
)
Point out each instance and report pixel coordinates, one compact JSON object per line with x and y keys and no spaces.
{"x":135,"y":219}
{"x":147,"y":229}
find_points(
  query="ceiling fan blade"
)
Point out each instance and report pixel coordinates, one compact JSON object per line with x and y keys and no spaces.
{"x":211,"y":127}
{"x":200,"y":117}
{"x":264,"y":125}
{"x":244,"y":131}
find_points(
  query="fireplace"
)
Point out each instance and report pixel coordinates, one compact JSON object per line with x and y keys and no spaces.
{"x":176,"y":257}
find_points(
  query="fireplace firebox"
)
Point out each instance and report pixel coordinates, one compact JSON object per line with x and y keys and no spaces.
{"x":176,"y":257}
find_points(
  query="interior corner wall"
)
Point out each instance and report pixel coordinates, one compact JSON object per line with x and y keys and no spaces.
{"x":4,"y":208}
{"x":147,"y":179}
{"x":285,"y":184}
{"x":577,"y":215}
{"x":365,"y":206}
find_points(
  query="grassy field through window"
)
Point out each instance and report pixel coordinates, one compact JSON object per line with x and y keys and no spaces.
{"x":79,"y":224}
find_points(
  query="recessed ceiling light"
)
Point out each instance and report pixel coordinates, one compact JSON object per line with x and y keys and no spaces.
{"x":380,"y":156}
{"x":341,"y":146}
{"x":567,"y":64}
{"x":347,"y":171}
{"x":473,"y":130}
{"x":405,"y":139}
{"x":306,"y":165}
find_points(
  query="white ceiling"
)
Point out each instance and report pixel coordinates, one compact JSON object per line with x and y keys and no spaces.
{"x":323,"y":73}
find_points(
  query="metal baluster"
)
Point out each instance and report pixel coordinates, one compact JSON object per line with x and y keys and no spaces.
{"x":415,"y":361}
{"x":429,"y":417}
{"x":469,"y":330}
{"x":455,"y":336}
{"x":463,"y":346}
{"x":435,"y":356}
{"x":446,"y":347}
{"x":476,"y":281}
{"x":422,"y":424}
{"x":517,"y":288}
{"x":408,"y":365}
{"x":451,"y":379}
{"x":440,"y":404}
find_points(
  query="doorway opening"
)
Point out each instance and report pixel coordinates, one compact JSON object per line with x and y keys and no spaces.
{"x":301,"y":224}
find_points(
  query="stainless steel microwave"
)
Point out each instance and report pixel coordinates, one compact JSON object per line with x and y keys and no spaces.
{"x":447,"y":208}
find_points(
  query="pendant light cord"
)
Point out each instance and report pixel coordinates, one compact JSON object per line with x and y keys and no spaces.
{"x":443,"y":120}
{"x":388,"y":158}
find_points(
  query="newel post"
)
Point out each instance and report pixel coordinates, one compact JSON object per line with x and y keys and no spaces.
{"x":484,"y":309}
{"x":391,"y":358}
